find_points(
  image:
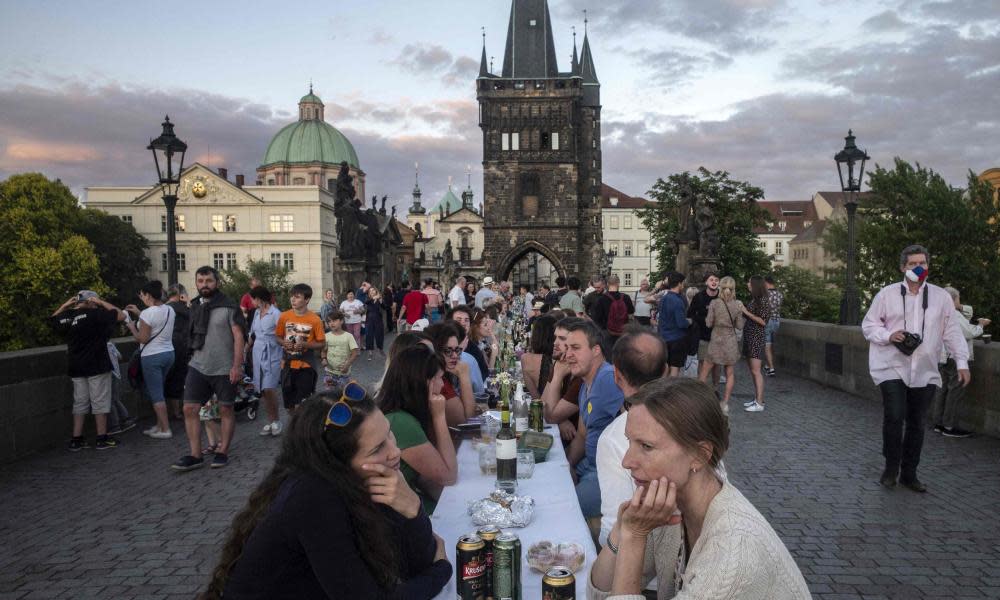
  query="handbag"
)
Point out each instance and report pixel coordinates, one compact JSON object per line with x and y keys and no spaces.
{"x":739,"y":332}
{"x":134,"y":369}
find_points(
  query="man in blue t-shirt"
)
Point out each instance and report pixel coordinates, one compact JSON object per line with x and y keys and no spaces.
{"x":600,"y":400}
{"x":673,"y":323}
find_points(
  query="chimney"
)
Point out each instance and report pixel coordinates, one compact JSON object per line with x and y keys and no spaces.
{"x":224,"y":173}
{"x":239,"y":180}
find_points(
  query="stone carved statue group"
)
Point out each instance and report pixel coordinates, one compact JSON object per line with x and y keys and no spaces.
{"x":357,"y":230}
{"x":697,"y":240}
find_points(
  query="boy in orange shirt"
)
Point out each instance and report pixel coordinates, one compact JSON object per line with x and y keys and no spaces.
{"x":300,"y":333}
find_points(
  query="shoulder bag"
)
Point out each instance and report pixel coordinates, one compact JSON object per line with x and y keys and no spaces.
{"x":134,"y":370}
{"x":739,"y":332}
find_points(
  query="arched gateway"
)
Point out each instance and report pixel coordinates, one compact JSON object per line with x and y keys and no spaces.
{"x":531,"y":263}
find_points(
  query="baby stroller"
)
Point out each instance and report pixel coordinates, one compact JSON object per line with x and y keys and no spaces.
{"x":247,"y":398}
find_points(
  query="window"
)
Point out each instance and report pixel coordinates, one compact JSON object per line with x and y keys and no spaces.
{"x":128,"y":218}
{"x":628,"y":248}
{"x":614,"y":222}
{"x":230,"y":223}
{"x":806,"y":224}
{"x":217,"y":261}
{"x":628,"y":222}
{"x":299,"y":181}
{"x":179,"y":224}
{"x":613,"y":249}
{"x":628,"y":278}
{"x":555,"y":140}
{"x":779,"y":249}
{"x":231,"y":261}
{"x":275,"y":259}
{"x":181,"y":261}
{"x":282,"y":223}
{"x":505,"y":141}
{"x":288,"y":261}
{"x":218,"y":223}
{"x":539,"y":85}
{"x":530,"y":191}
{"x":515,"y":141}
{"x":782,"y":225}
{"x":270,"y":182}
{"x":762,"y":244}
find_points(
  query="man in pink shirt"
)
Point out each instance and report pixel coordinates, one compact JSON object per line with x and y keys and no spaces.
{"x":907,"y":324}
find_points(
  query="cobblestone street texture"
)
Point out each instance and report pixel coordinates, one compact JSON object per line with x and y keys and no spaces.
{"x":120,"y":524}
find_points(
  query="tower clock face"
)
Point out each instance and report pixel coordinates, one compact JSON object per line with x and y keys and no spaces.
{"x":198,"y":189}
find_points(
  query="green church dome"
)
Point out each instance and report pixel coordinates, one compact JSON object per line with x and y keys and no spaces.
{"x":310,"y":141}
{"x":310,"y":97}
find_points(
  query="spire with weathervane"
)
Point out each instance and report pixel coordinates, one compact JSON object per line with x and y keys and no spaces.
{"x":591,"y":86}
{"x":416,"y":208}
{"x":467,"y":195}
{"x":484,"y":70}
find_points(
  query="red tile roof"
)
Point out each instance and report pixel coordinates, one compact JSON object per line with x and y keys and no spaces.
{"x":797,"y":215}
{"x":624,"y":200}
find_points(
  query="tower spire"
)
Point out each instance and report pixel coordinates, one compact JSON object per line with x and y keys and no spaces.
{"x":416,"y":208}
{"x":483,"y":70}
{"x":467,"y":194}
{"x":530,"y":51}
{"x":574,"y":62}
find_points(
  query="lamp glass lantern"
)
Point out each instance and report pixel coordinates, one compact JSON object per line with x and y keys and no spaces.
{"x":848,"y":159}
{"x":168,"y":152}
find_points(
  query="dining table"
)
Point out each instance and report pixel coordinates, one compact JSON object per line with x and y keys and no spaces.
{"x":557,"y":517}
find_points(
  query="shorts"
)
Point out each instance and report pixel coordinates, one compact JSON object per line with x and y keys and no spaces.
{"x":297,"y":385}
{"x":198,"y":388}
{"x":677,"y":353}
{"x":702,"y":349}
{"x":92,"y":394}
{"x":770,"y":329}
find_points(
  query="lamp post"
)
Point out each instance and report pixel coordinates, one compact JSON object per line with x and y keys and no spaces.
{"x":848,"y":159}
{"x":164,"y":149}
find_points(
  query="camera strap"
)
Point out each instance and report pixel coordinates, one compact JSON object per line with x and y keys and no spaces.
{"x":923,"y":324}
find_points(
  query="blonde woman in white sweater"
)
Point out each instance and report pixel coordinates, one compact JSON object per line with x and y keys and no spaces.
{"x":724,"y":548}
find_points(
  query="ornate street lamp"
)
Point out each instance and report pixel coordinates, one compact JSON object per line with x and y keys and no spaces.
{"x":849,"y":159}
{"x":165,"y":148}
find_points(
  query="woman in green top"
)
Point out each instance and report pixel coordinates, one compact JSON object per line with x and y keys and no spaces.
{"x":411,"y":399}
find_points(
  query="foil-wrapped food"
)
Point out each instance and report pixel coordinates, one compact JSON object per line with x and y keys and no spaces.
{"x":544,"y":555}
{"x":503,"y":510}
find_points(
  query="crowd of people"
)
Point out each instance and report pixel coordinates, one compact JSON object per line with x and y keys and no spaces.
{"x":631,"y":381}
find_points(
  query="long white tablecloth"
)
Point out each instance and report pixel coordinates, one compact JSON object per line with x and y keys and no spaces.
{"x":557,"y":516}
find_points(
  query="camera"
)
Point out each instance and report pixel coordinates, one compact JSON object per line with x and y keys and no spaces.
{"x":910,"y":343}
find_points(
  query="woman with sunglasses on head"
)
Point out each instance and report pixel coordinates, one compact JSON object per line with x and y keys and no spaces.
{"x":334,"y":518}
{"x":536,"y":363}
{"x":460,"y":403}
{"x":411,"y":399}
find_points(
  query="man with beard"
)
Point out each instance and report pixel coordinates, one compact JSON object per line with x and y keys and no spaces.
{"x":698,"y":311}
{"x":173,"y":387}
{"x":216,"y":365}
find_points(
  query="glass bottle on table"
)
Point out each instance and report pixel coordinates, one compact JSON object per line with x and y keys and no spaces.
{"x":520,"y":411}
{"x":506,"y":448}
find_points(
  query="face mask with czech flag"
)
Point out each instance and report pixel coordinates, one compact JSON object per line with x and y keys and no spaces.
{"x":917,"y":275}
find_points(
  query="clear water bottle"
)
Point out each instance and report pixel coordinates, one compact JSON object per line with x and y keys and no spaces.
{"x":522,"y":409}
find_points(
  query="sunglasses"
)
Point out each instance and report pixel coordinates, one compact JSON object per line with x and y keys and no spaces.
{"x":340,"y":413}
{"x":451,"y":351}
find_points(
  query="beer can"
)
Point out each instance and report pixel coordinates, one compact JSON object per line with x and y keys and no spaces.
{"x":507,"y":567}
{"x":536,"y":418}
{"x":488,"y":533}
{"x":470,"y":574}
{"x":558,"y":583}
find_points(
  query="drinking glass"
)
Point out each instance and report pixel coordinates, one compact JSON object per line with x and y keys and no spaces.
{"x":488,"y":459}
{"x":525,"y":464}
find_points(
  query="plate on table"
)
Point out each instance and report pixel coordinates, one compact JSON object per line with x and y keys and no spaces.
{"x":544,"y":555}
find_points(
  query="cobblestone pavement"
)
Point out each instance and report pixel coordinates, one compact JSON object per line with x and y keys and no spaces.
{"x":120,"y":524}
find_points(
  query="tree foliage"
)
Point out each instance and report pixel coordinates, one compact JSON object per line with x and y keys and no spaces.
{"x":807,"y":296}
{"x":236,"y":282}
{"x":911,"y":204}
{"x":43,"y":260}
{"x":121,"y":252}
{"x":736,"y":215}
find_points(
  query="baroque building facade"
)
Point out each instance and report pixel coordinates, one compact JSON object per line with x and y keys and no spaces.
{"x":541,"y":153}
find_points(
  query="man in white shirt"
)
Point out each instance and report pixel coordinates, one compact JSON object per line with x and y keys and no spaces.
{"x":486,"y":296}
{"x":456,"y":297}
{"x":907,"y":324}
{"x":638,"y":358}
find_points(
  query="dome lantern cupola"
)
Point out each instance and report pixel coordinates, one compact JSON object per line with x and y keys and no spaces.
{"x":310,"y":107}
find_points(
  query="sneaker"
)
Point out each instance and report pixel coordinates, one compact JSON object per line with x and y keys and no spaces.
{"x":769,"y":371}
{"x":115,"y":430}
{"x":188,"y":463}
{"x":127,"y":425}
{"x":750,"y":403}
{"x":220,"y":460}
{"x":162,"y":435}
{"x":939,"y":428}
{"x":107,"y":443}
{"x":276,"y":428}
{"x":77,"y":444}
{"x":955,"y":432}
{"x":722,"y":379}
{"x":266,"y":430}
{"x":151,"y":430}
{"x":755,"y":408}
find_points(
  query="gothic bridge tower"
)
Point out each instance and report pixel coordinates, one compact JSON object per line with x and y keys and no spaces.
{"x":541,"y":155}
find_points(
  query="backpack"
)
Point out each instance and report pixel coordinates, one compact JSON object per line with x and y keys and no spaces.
{"x":617,"y":315}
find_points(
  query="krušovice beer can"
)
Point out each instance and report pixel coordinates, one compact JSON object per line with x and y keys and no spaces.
{"x":470,"y":575}
{"x":488,"y":533}
{"x":507,"y":567}
{"x":535,"y":420}
{"x":559,"y":584}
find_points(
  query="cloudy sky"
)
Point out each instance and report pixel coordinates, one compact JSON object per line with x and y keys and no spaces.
{"x":765,"y":89}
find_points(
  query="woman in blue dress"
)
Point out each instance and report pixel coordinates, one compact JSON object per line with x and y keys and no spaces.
{"x":266,"y":356}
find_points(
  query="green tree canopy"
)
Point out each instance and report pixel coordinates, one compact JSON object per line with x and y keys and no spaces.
{"x":121,"y":252}
{"x":43,"y":261}
{"x":736,"y":215}
{"x":236,"y":282}
{"x":914,"y":205}
{"x":807,"y":296}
